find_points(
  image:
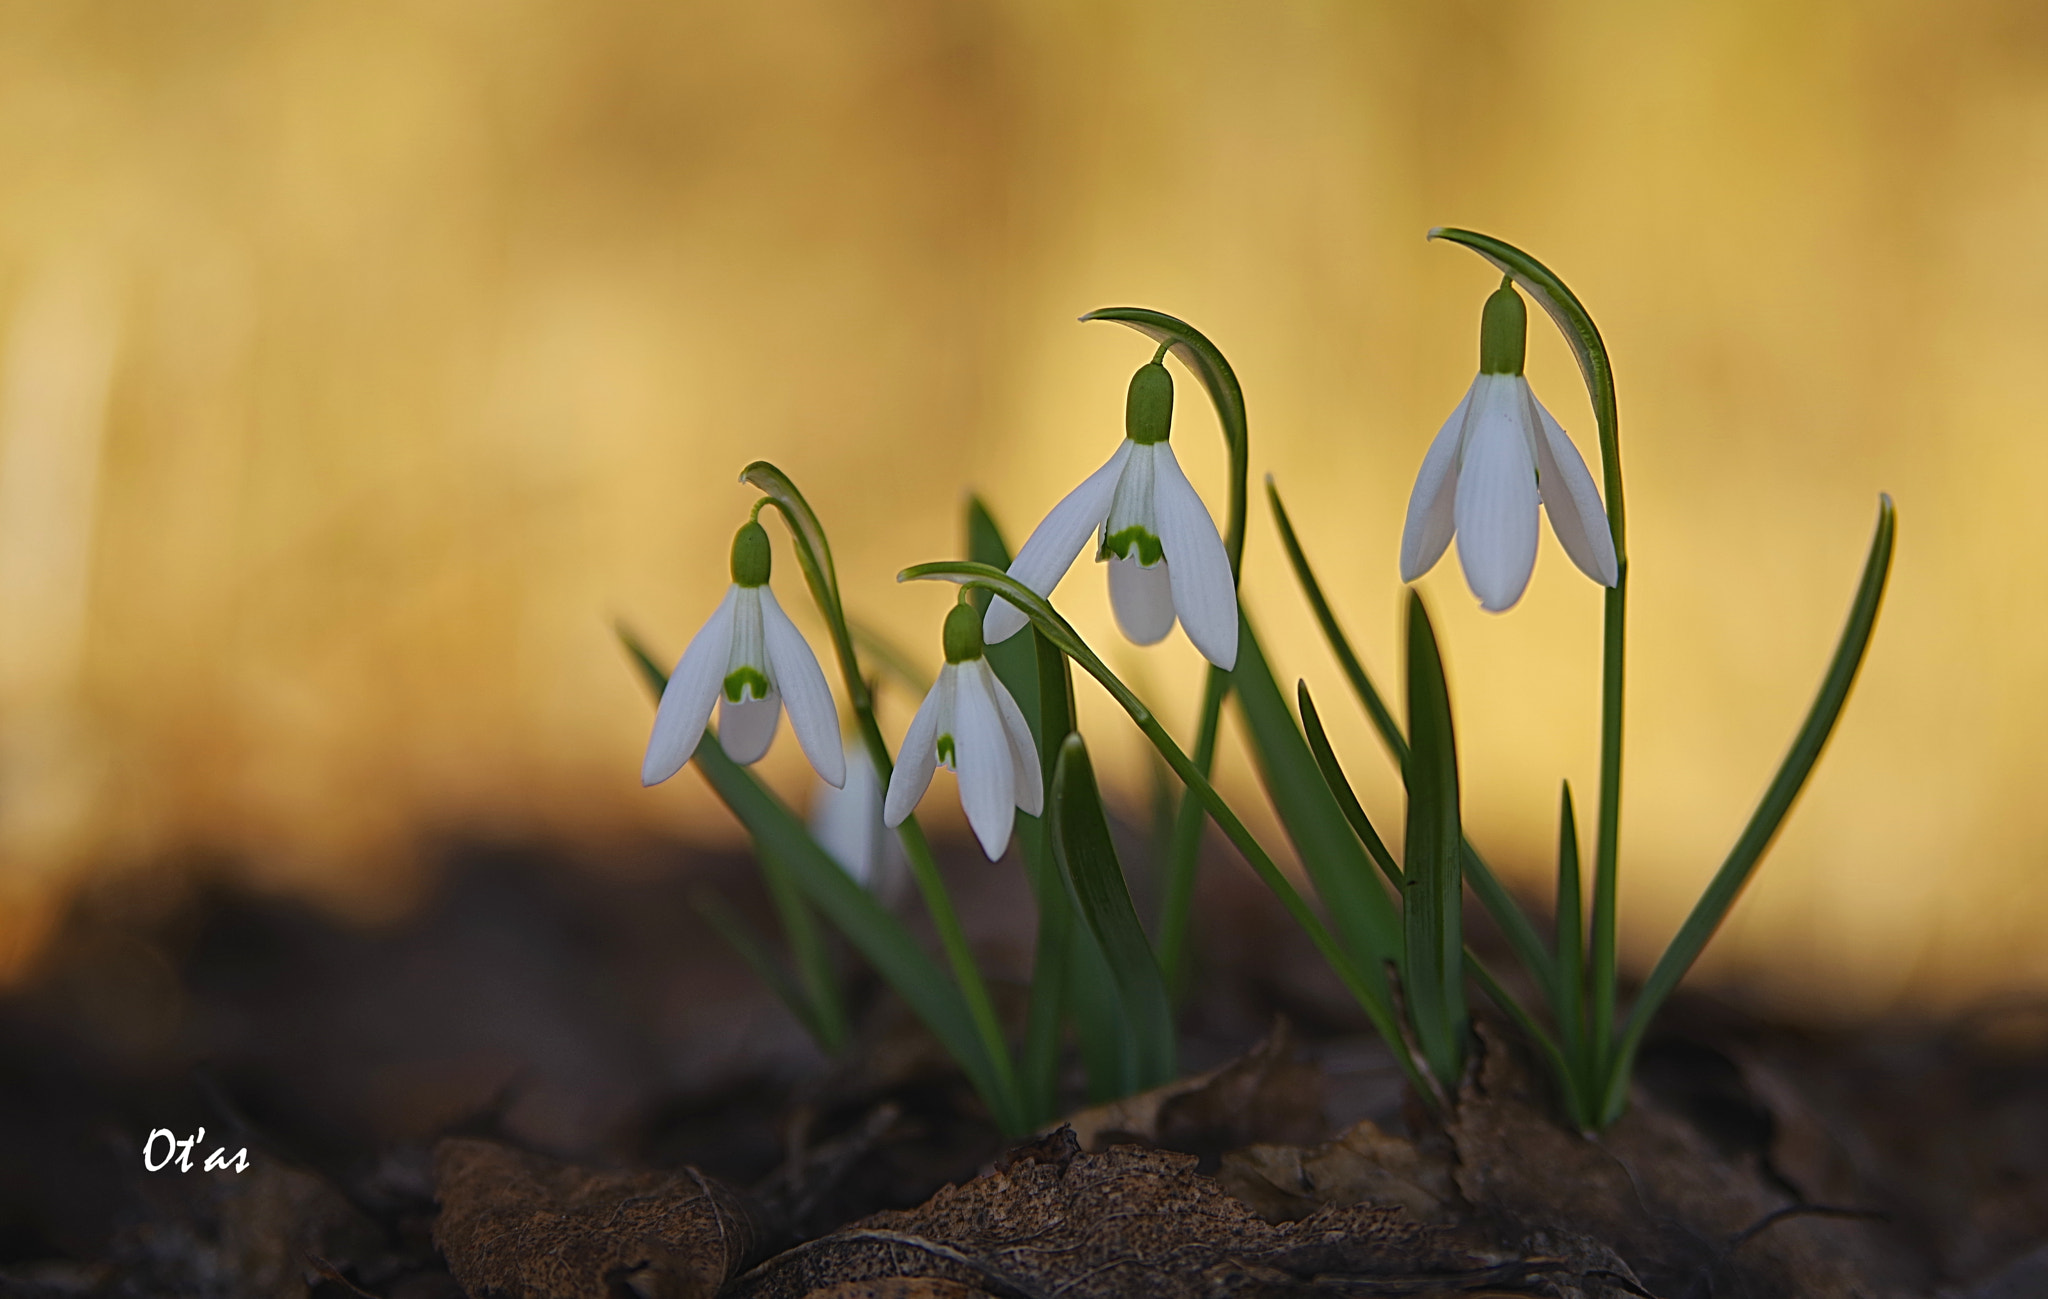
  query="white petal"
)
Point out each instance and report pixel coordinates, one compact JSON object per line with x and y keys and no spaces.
{"x":796,"y":673}
{"x":1428,"y":530}
{"x":987,"y":776}
{"x":1142,"y":599}
{"x":745,"y":730}
{"x":1573,"y":502}
{"x":919,"y":756}
{"x":1496,"y":502}
{"x":1204,"y":596}
{"x":1023,"y":753}
{"x":1052,"y":546}
{"x":847,"y":820}
{"x":692,"y":689}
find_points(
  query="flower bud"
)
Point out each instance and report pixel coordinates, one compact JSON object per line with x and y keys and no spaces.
{"x":1148,"y":410}
{"x":1503,"y":332}
{"x":750,"y":555}
{"x":963,"y":634}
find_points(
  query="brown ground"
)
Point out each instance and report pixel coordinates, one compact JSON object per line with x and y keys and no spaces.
{"x":552,"y":1081}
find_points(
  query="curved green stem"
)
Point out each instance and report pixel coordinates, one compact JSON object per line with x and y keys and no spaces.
{"x":1576,"y":323}
{"x":1057,"y":630}
{"x":1207,"y":362}
{"x":814,"y":556}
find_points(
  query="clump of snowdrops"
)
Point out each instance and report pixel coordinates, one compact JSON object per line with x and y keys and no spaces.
{"x":1000,"y":716}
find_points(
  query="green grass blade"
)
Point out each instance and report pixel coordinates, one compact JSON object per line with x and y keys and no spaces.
{"x":730,"y":925}
{"x":1370,"y":992}
{"x":1571,"y":960}
{"x":1345,"y":878}
{"x":816,"y":972}
{"x":1763,"y":825}
{"x":877,"y":934}
{"x":1340,"y":787}
{"x":1183,"y":848}
{"x":1088,"y":861}
{"x":1514,"y":922}
{"x":1433,"y":891}
{"x":890,"y":658}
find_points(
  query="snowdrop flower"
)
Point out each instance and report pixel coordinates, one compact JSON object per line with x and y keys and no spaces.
{"x":970,"y":724}
{"x":1500,"y":455}
{"x":751,"y":661}
{"x":1165,"y":557}
{"x":847,"y":823}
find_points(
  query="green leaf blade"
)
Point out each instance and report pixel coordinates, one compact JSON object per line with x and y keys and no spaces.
{"x":1433,"y":887}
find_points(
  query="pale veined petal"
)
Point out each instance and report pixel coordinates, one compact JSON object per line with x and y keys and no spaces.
{"x":1051,"y":548}
{"x":1142,"y":599}
{"x":847,"y":820}
{"x":1427,"y":533}
{"x":919,"y":756}
{"x":1204,"y":596}
{"x":1023,"y":753}
{"x":987,"y":776}
{"x":692,"y":690}
{"x":1496,"y":503}
{"x":1573,"y":502}
{"x":746,"y":729}
{"x":796,"y":673}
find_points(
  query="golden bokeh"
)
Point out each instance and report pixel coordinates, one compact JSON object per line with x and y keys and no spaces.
{"x":362,"y":362}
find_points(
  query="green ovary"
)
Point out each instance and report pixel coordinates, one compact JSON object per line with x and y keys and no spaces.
{"x":1149,"y":551}
{"x":742,"y":684}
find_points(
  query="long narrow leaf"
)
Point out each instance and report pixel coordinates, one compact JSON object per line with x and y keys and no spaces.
{"x":1087,"y":857}
{"x":1340,"y":786}
{"x":1571,"y":961}
{"x":1763,"y":825}
{"x":1433,"y":891}
{"x":1514,"y":922}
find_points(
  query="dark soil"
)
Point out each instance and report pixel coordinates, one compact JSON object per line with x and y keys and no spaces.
{"x":550,"y":1079}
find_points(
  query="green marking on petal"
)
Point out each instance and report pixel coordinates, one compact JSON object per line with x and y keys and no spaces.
{"x":1135,"y":537}
{"x":946,"y":752}
{"x":744,"y":683}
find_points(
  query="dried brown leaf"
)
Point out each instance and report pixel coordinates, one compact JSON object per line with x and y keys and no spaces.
{"x":524,"y":1226}
{"x":1362,"y":1166}
{"x":1268,"y":1094}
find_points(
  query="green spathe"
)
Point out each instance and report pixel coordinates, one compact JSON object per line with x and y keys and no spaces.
{"x":751,"y":558}
{"x":963,"y":634}
{"x":1503,"y":331}
{"x":1148,"y":409}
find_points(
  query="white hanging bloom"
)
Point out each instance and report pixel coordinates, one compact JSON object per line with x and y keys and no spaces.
{"x":1166,"y":559}
{"x":752,"y":662}
{"x":1498,"y":457}
{"x":847,"y":823}
{"x":969,"y":723}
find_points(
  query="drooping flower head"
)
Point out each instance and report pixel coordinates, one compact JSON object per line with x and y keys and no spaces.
{"x":969,"y":724}
{"x":1498,"y":458}
{"x":1166,"y":559}
{"x":751,"y":662}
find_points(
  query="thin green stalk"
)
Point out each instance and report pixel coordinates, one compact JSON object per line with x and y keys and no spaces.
{"x":1208,"y":364}
{"x":729,"y":925}
{"x":1340,"y":786}
{"x":1514,"y":923}
{"x":1728,"y":882}
{"x":1576,"y":323}
{"x":814,"y":555}
{"x":1056,"y":629}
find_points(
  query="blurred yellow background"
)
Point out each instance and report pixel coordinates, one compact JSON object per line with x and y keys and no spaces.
{"x":362,"y":362}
